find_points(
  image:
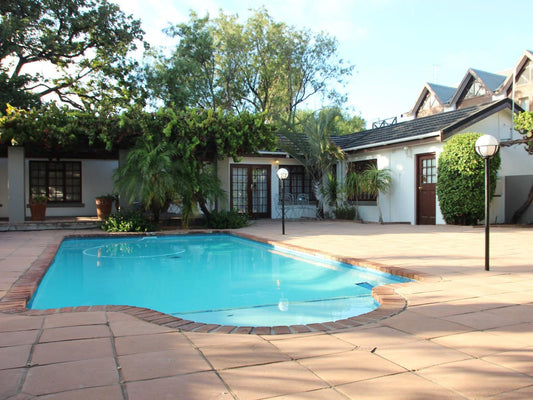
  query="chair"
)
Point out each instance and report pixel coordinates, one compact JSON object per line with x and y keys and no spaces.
{"x":289,"y":200}
{"x":302,"y":201}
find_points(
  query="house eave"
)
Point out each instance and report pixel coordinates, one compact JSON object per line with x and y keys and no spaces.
{"x":395,"y":141}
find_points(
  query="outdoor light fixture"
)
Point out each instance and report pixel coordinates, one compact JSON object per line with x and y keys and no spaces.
{"x":282,"y":175}
{"x":487,"y":146}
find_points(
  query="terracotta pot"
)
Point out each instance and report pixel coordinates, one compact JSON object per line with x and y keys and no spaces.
{"x":38,"y":211}
{"x":103,"y":208}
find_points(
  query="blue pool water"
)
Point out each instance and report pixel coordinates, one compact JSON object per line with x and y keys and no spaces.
{"x":219,"y":279}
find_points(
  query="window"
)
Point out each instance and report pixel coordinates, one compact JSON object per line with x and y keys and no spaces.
{"x":476,"y":89}
{"x":60,"y":181}
{"x":298,"y":182}
{"x":524,"y":103}
{"x":359,"y":167}
{"x":526,"y":75}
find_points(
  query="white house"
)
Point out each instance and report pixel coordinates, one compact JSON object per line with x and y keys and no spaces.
{"x":410,"y":149}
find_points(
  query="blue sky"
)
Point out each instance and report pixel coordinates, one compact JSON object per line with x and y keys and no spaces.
{"x":395,"y":45}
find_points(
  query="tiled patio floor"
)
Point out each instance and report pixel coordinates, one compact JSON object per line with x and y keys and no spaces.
{"x":468,"y":335}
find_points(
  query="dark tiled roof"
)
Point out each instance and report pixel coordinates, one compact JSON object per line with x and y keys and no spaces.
{"x":417,"y":128}
{"x":444,"y":93}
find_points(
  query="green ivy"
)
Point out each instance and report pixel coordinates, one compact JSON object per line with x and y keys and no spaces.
{"x":461,"y":180}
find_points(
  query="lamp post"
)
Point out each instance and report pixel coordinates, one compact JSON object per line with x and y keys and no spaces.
{"x":282,"y":175}
{"x":487,"y":146}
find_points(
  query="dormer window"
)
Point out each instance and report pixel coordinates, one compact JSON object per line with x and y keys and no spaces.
{"x":476,"y":89}
{"x":429,"y":102}
{"x":526,"y":75}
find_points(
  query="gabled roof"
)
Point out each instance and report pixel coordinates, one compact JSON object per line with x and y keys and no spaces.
{"x":492,"y":82}
{"x":527,"y":55}
{"x":437,"y":125}
{"x":443,"y":94}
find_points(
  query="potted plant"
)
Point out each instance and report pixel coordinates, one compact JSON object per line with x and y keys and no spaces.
{"x":38,"y":207}
{"x":104,"y":206}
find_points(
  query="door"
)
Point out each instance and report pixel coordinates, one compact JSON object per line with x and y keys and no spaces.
{"x":426,"y":178}
{"x":250,"y":190}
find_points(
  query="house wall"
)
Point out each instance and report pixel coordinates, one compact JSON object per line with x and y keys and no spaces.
{"x":96,"y":180}
{"x":399,"y":205}
{"x":3,"y":188}
{"x":515,"y":162}
{"x":223,"y":172}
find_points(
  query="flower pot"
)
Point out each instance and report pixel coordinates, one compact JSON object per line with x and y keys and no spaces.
{"x":103,"y":207}
{"x":38,"y":211}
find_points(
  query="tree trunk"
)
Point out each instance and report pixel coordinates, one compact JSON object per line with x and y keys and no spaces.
{"x":379,"y":211}
{"x":518,"y":213}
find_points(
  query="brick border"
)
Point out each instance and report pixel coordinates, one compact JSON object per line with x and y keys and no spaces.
{"x":391,"y":303}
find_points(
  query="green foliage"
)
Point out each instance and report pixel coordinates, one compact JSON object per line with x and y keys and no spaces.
{"x":54,"y":130}
{"x":309,"y":142}
{"x":345,"y":212}
{"x":85,"y":43}
{"x":340,"y":123}
{"x":375,"y":181}
{"x":330,"y":190}
{"x":461,"y":180}
{"x":259,"y":66}
{"x":227,"y":220}
{"x":127,"y":222}
{"x":150,"y":174}
{"x":523,"y":123}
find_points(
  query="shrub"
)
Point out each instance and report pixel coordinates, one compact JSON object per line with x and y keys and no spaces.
{"x":128,"y":222}
{"x":227,"y":220}
{"x":344,"y":212}
{"x":461,"y":180}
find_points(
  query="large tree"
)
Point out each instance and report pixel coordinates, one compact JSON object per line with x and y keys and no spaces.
{"x":259,"y":66}
{"x":74,"y":50}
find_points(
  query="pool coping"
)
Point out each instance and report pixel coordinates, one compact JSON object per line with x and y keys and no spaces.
{"x":391,"y":302}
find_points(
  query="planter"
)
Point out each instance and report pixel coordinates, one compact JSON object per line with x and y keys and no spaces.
{"x":104,"y":207}
{"x":38,"y":211}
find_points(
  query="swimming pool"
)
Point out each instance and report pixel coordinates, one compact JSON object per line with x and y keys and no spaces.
{"x":212,"y":278}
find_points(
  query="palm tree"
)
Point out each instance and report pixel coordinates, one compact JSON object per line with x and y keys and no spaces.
{"x":374,"y":181}
{"x":354,"y":189}
{"x":149,"y":175}
{"x":308,"y":141}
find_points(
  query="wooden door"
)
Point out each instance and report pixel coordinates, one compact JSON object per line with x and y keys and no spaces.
{"x":426,"y":178}
{"x":250,"y":190}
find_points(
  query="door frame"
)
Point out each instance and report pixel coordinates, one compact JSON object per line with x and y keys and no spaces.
{"x":250,"y":168}
{"x":418,"y":189}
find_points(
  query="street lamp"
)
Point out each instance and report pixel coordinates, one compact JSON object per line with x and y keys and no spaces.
{"x":487,"y":146}
{"x":282,"y":175}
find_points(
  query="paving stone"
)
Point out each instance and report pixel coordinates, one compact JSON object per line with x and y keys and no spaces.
{"x":55,"y":378}
{"x":56,"y":352}
{"x":161,"y":364}
{"x":243,"y":354}
{"x":74,"y":332}
{"x":73,"y":319}
{"x":148,"y":343}
{"x":404,"y":386}
{"x":201,"y":386}
{"x":350,"y":366}
{"x":476,"y":378}
{"x":312,"y":346}
{"x":14,"y":356}
{"x":9,"y":381}
{"x":271,"y":380}
{"x":104,"y":393}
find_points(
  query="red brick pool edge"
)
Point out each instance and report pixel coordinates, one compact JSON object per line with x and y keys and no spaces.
{"x":391,"y":303}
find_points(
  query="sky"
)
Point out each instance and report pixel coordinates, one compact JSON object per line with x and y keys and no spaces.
{"x":396,"y":46}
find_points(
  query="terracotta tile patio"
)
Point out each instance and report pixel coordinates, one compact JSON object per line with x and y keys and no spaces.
{"x":465,"y":334}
